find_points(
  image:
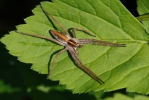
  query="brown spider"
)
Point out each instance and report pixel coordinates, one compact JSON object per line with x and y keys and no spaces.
{"x":71,"y":44}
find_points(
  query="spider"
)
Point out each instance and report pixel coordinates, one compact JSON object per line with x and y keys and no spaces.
{"x":71,"y":44}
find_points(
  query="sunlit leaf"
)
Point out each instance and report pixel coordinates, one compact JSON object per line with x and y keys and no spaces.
{"x":119,"y":67}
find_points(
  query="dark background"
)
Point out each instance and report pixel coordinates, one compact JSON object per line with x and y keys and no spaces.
{"x":21,"y":81}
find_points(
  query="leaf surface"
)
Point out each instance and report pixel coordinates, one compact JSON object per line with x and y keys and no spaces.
{"x":119,"y":67}
{"x":143,"y":9}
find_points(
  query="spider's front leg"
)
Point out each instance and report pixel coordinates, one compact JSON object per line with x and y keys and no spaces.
{"x":80,"y":29}
{"x":41,"y":37}
{"x":60,"y":25}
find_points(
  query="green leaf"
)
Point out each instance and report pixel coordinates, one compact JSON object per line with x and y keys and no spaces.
{"x":143,"y":17}
{"x":119,"y":96}
{"x":119,"y":67}
{"x":143,"y":9}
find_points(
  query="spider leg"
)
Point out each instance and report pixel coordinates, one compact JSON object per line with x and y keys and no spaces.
{"x":79,"y":29}
{"x":99,"y":42}
{"x":41,"y":37}
{"x":79,"y":64}
{"x":65,"y":31}
{"x":53,"y":63}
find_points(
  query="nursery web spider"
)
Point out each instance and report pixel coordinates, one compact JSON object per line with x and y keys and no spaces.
{"x":71,"y":44}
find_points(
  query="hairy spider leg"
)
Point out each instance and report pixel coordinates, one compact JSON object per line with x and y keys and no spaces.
{"x":55,"y":58}
{"x":64,"y":29}
{"x":79,"y":29}
{"x":99,"y":42}
{"x":41,"y":37}
{"x":80,"y":65}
